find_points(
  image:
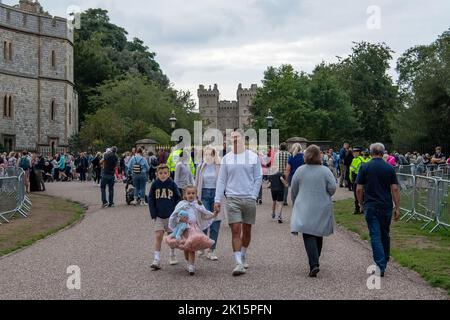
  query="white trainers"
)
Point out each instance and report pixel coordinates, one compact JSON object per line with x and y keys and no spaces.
{"x":244,"y":262}
{"x":201,"y":253}
{"x":212,"y":255}
{"x":173,"y":260}
{"x":239,"y":270}
{"x":191,"y":270}
{"x":156,"y":265}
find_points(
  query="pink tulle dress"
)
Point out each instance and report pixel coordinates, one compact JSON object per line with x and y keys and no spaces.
{"x":193,"y":239}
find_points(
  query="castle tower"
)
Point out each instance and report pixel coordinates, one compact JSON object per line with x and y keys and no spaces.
{"x":208,"y":101}
{"x":38,"y":102}
{"x":245,"y":100}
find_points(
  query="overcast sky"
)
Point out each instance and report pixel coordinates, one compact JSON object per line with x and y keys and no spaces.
{"x":233,"y":41}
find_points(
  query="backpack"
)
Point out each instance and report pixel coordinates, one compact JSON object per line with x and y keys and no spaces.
{"x":24,"y":163}
{"x":137,"y":168}
{"x":154,"y":162}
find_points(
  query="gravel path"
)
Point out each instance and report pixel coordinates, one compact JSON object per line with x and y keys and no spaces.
{"x":114,"y":250}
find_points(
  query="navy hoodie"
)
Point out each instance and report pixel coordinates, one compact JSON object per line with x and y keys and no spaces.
{"x":163,"y":198}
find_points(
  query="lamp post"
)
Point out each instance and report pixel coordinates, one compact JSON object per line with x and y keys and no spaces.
{"x":270,"y":125}
{"x":173,"y":120}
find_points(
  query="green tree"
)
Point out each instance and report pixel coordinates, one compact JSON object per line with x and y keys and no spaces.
{"x":364,"y":76}
{"x":313,"y":106}
{"x":138,"y":108}
{"x":424,"y":80}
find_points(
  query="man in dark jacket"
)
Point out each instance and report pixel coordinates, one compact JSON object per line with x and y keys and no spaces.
{"x":162,"y":200}
{"x":109,"y":164}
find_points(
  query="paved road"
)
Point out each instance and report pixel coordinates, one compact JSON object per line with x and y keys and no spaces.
{"x":114,"y":250}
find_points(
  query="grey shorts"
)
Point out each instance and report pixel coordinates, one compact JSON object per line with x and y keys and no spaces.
{"x":241,"y":210}
{"x":162,"y":224}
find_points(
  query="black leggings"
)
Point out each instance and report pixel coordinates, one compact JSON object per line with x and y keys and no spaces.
{"x":313,"y":246}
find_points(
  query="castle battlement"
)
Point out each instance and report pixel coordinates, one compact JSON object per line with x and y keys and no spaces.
{"x":226,"y":114}
{"x":30,"y":17}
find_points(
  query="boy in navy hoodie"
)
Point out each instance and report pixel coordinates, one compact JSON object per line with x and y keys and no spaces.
{"x":162,"y":200}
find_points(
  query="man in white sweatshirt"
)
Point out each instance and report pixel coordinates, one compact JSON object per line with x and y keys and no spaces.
{"x":240,"y":180}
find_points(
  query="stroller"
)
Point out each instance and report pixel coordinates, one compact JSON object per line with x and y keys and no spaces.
{"x":129,"y":191}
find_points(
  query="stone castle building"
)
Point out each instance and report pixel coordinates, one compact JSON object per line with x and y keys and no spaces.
{"x":225,"y":115}
{"x":38,"y":103}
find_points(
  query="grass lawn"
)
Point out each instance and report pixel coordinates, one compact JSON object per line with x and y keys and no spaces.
{"x":428,"y":254}
{"x":48,"y":215}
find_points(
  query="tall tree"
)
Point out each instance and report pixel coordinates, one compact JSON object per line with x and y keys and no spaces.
{"x":364,"y":75}
{"x":424,"y":79}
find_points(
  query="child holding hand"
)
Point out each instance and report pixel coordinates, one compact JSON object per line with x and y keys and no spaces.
{"x":198,"y":219}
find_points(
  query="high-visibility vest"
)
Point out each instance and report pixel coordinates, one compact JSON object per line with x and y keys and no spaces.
{"x":355,"y":166}
{"x":173,"y":160}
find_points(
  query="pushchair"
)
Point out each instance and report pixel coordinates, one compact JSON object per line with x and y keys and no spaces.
{"x":129,"y":191}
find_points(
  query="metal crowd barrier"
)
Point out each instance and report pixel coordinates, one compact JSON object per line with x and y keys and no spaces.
{"x":425,"y":199}
{"x":13,"y":196}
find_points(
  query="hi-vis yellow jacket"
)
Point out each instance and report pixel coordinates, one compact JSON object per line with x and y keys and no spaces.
{"x":173,"y":160}
{"x":356,"y":165}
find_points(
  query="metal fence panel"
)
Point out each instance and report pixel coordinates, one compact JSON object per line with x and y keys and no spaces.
{"x":13,"y":196}
{"x":407,"y":184}
{"x":443,"y":214}
{"x":425,"y":196}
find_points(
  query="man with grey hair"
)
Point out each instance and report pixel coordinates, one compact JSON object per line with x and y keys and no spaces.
{"x":377,"y":184}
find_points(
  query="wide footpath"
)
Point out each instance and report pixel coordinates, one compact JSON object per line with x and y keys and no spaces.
{"x":114,"y":250}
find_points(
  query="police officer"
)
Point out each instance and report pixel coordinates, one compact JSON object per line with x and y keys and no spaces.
{"x":175,"y":156}
{"x":357,"y":162}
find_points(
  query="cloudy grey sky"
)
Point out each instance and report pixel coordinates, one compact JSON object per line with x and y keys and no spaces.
{"x":232,"y":41}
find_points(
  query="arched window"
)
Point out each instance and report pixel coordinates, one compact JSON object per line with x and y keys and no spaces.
{"x":52,"y":111}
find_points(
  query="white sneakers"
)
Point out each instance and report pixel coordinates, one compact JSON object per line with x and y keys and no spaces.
{"x":156,"y":265}
{"x":244,"y":262}
{"x":212,"y":255}
{"x":173,"y":260}
{"x":190,"y":269}
{"x":239,"y":270}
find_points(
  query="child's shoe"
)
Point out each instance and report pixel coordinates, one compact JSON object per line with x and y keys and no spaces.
{"x":212,"y":255}
{"x":173,"y":260}
{"x":190,"y":269}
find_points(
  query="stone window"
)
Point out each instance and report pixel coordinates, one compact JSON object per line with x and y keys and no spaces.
{"x":53,"y":59}
{"x":207,"y":102}
{"x":7,"y":50}
{"x":53,"y":22}
{"x":24,"y":20}
{"x":7,"y":106}
{"x":70,"y":113}
{"x":53,"y":111}
{"x":8,"y":15}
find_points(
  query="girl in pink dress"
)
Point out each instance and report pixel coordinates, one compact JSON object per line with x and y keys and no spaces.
{"x":193,"y":239}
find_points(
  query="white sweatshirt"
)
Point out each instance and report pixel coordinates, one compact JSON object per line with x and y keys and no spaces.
{"x":240,"y":176}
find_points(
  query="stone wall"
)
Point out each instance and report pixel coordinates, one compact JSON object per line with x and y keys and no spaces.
{"x":23,"y":124}
{"x":26,"y":78}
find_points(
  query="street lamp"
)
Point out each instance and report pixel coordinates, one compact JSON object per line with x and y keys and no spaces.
{"x":270,"y":120}
{"x":270,"y":125}
{"x":173,"y":120}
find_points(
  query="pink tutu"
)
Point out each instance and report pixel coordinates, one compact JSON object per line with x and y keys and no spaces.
{"x":192,"y":240}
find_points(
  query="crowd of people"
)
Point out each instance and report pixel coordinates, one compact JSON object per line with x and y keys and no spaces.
{"x":194,"y":198}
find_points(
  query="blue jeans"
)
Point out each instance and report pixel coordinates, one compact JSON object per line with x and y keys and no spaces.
{"x":107,"y":180}
{"x":208,"y":196}
{"x":139,"y":182}
{"x":379,"y":223}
